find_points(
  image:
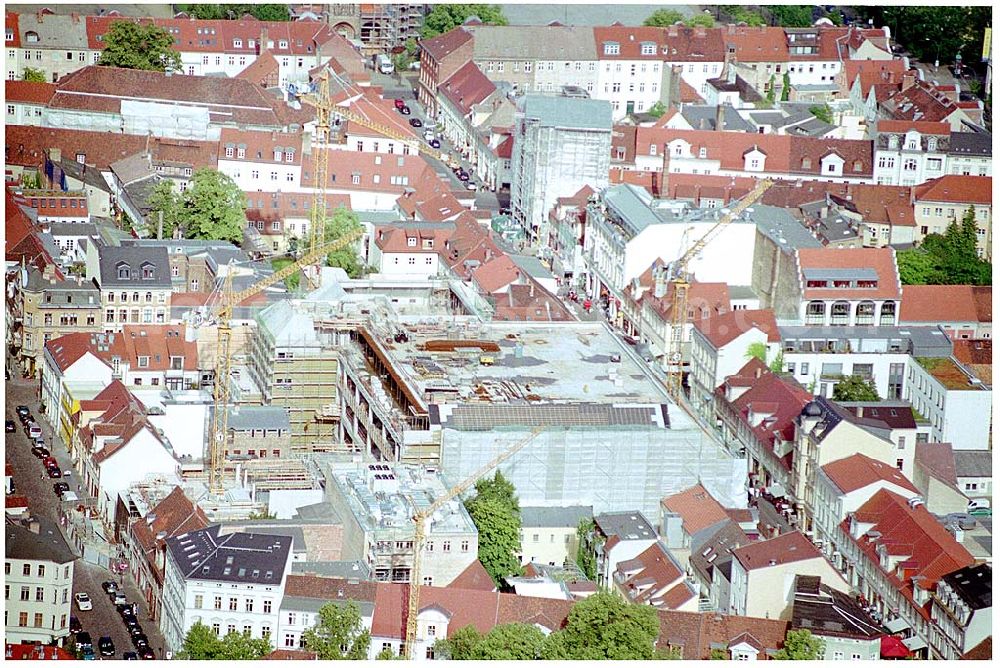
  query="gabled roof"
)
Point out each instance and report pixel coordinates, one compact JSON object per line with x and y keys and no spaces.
{"x":697,"y":507}
{"x":467,"y":87}
{"x":174,"y":515}
{"x":931,"y":550}
{"x":825,"y":611}
{"x":69,"y":348}
{"x":923,"y":127}
{"x":920,"y":102}
{"x":785,"y":549}
{"x":443,"y":45}
{"x":315,"y":586}
{"x":29,"y":92}
{"x":956,"y":188}
{"x":474,"y":577}
{"x":756,"y":44}
{"x":496,"y":274}
{"x":642,"y":579}
{"x":880,"y":260}
{"x":723,"y":328}
{"x":858,"y":471}
{"x":263,"y":71}
{"x":938,"y":461}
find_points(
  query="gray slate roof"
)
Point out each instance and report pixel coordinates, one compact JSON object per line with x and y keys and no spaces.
{"x":971,"y":143}
{"x":973,"y":463}
{"x":568,"y":112}
{"x":72,"y":229}
{"x":350,"y":570}
{"x":554,"y":516}
{"x":238,"y":557}
{"x":694,"y":114}
{"x":46,"y":545}
{"x":133,"y":168}
{"x":54,"y":31}
{"x":135,"y":257}
{"x":259,"y":417}
{"x":532,"y":42}
{"x":629,"y":525}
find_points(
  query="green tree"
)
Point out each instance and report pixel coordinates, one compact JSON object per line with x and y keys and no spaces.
{"x":663,"y":18}
{"x":756,"y":349}
{"x":200,"y":643}
{"x":510,"y":642}
{"x":499,"y":536}
{"x":338,"y":626}
{"x":801,"y":646}
{"x":605,"y":626}
{"x":342,"y":222}
{"x":771,"y":91}
{"x":822,"y":112}
{"x":136,"y":46}
{"x":947,"y":259}
{"x":387,"y":655}
{"x":443,"y":18}
{"x":212,"y":207}
{"x":657,"y":110}
{"x":34,"y":75}
{"x":203,"y":11}
{"x":777,"y":365}
{"x":786,"y":86}
{"x":741,"y":14}
{"x":498,"y":488}
{"x":855,"y":388}
{"x":699,"y":20}
{"x":585,"y":558}
{"x":243,"y":647}
{"x":270,"y":12}
{"x":791,"y":16}
{"x":931,"y":32}
{"x":460,"y":645}
{"x":719,"y":655}
{"x":402,"y":61}
{"x":293,"y":281}
{"x":835,"y":17}
{"x":165,"y":199}
{"x":917,"y":266}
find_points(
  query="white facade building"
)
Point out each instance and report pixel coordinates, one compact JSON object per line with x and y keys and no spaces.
{"x":958,"y":405}
{"x":38,"y":583}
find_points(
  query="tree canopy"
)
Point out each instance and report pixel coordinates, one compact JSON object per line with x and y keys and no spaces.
{"x":742,"y":14}
{"x":166,"y":200}
{"x":662,"y":18}
{"x":605,"y":626}
{"x":497,"y":516}
{"x":264,"y":12}
{"x":930,"y":32}
{"x":137,"y":46}
{"x":791,"y":16}
{"x":801,"y":646}
{"x":212,"y":207}
{"x":34,"y":75}
{"x":585,"y":558}
{"x":947,"y":259}
{"x":699,"y":20}
{"x":338,"y":627}
{"x":443,"y":18}
{"x":460,"y":645}
{"x":855,"y":388}
{"x":510,"y":642}
{"x":201,"y":643}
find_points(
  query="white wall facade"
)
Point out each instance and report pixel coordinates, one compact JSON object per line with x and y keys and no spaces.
{"x":140,"y":457}
{"x":629,"y":85}
{"x":960,"y":417}
{"x":39,"y":596}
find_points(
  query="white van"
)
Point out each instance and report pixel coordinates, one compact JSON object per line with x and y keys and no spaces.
{"x":385,"y":65}
{"x":34,"y":431}
{"x":70,"y":497}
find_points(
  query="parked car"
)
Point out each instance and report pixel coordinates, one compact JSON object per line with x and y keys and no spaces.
{"x":118,"y":598}
{"x":125,"y":610}
{"x":22,"y":410}
{"x":48,"y":461}
{"x":88,"y":654}
{"x":40,"y":452}
{"x":434,"y":143}
{"x":130,"y":656}
{"x":463,"y":176}
{"x":33,"y":429}
{"x":471,"y":186}
{"x":74,"y":624}
{"x":416,"y":122}
{"x":134,"y":629}
{"x":9,"y":427}
{"x":109,"y":586}
{"x":83,"y":640}
{"x":404,"y":110}
{"x":54,"y":472}
{"x":140,"y":641}
{"x":83,"y":601}
{"x":59,"y":488}
{"x":399,"y":103}
{"x":25,"y":418}
{"x":147,"y":654}
{"x":106,"y":646}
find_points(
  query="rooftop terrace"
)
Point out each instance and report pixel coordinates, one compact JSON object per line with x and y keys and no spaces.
{"x":949,"y":374}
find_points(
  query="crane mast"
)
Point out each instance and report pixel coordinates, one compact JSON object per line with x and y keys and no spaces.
{"x":682,"y":285}
{"x":420,"y":533}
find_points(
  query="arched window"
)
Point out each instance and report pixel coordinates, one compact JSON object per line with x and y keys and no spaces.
{"x":816,"y":313}
{"x":864,"y":314}
{"x":888,"y":314}
{"x":840,"y":313}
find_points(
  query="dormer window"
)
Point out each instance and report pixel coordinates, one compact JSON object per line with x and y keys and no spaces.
{"x":282,"y":44}
{"x":806,"y":163}
{"x":648,"y":49}
{"x":31,"y":37}
{"x":290,"y":155}
{"x":612,"y":48}
{"x":124,"y":271}
{"x":411,"y":242}
{"x":230,"y":150}
{"x":241,"y":151}
{"x":277,"y":154}
{"x":147,"y":272}
{"x":143,"y":361}
{"x":932,"y":144}
{"x":893,"y":141}
{"x":237,"y":43}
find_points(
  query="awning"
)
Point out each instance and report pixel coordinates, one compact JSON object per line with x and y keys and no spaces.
{"x":892,"y":647}
{"x":776,"y":490}
{"x":897,"y":625}
{"x":914,"y":643}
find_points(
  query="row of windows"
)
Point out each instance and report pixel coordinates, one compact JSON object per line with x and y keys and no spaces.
{"x":123,"y":316}
{"x":241,"y":153}
{"x":232,"y":604}
{"x":40,"y":571}
{"x":161,"y":297}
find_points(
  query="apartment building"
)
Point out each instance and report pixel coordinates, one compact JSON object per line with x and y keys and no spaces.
{"x":549,"y":534}
{"x":616,"y":538}
{"x":231,"y":584}
{"x":849,"y":287}
{"x":962,"y":611}
{"x":56,"y":44}
{"x":560,"y":145}
{"x":440,"y":58}
{"x":940,"y":201}
{"x":837,"y":619}
{"x":258,"y":432}
{"x":909,"y":153}
{"x":971,"y":153}
{"x":305,"y":596}
{"x":377,"y":503}
{"x":954,"y":400}
{"x":261,"y":160}
{"x":26,"y":101}
{"x":38,"y":582}
{"x":134,"y":283}
{"x":655,"y":578}
{"x":962,"y":311}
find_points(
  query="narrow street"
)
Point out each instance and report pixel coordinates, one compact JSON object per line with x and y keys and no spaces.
{"x":31,"y":480}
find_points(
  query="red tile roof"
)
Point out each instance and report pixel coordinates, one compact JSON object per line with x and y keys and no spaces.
{"x":376,"y":172}
{"x":932,"y":551}
{"x":25,"y":145}
{"x":393,"y":239}
{"x":174,"y":515}
{"x":981,"y":652}
{"x":379,"y":111}
{"x":263,"y":71}
{"x":873,"y":72}
{"x":724,"y":328}
{"x":496,"y":274}
{"x":530,"y":302}
{"x":882,"y":260}
{"x":785,"y":549}
{"x":32,"y":652}
{"x":878,"y":204}
{"x":920,"y":102}
{"x":937,"y":460}
{"x":443,"y":45}
{"x":756,"y":45}
{"x":705,"y":300}
{"x":943,"y":304}
{"x":317,"y":586}
{"x":957,"y":189}
{"x":69,"y":348}
{"x":29,"y":91}
{"x":157,"y":342}
{"x":923,"y":127}
{"x":642,"y":578}
{"x":857,"y":471}
{"x":260,"y":146}
{"x":505,"y":149}
{"x":467,"y":87}
{"x":973,"y":351}
{"x":15,"y":501}
{"x":630,"y":40}
{"x":697,"y":507}
{"x":474,"y":577}
{"x":11,"y":24}
{"x":442,"y":207}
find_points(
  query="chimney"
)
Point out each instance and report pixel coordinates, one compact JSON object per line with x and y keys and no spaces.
{"x":34,"y":527}
{"x":665,"y":173}
{"x":909,"y":78}
{"x":672,"y":30}
{"x":674,"y":99}
{"x":859,"y":411}
{"x":720,"y":117}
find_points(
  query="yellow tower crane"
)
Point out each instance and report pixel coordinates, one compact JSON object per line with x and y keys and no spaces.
{"x":680,"y":280}
{"x":420,"y":519}
{"x":222,"y":313}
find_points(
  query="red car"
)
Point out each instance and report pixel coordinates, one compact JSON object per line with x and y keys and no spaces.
{"x":399,"y":103}
{"x":50,"y":462}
